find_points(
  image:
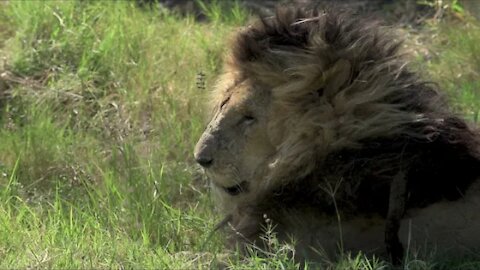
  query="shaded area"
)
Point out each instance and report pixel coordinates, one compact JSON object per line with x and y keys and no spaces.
{"x":410,"y":12}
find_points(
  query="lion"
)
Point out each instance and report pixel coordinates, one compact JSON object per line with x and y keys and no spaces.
{"x":320,"y":127}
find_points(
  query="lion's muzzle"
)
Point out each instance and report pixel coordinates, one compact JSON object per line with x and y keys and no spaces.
{"x":205,"y":150}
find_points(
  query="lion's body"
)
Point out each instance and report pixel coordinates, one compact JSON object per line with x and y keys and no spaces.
{"x":446,"y":228}
{"x":317,"y":116}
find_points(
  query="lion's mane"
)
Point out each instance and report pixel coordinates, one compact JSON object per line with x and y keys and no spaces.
{"x":349,"y":110}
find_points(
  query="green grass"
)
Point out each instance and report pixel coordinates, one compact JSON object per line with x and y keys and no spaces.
{"x":97,"y":132}
{"x":97,"y":136}
{"x":456,"y":65}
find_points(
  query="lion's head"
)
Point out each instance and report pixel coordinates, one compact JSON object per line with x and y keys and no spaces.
{"x":235,"y":149}
{"x":300,"y":85}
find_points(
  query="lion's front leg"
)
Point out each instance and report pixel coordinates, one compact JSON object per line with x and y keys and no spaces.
{"x":396,"y":210}
{"x":244,"y":229}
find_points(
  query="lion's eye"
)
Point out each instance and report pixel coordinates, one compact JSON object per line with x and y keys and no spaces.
{"x":248,"y":119}
{"x":224,"y":103}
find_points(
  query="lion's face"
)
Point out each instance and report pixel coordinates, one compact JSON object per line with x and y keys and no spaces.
{"x":235,"y":149}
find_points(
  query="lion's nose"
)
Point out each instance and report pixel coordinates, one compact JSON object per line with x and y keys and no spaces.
{"x":204,"y":161}
{"x":205,"y":150}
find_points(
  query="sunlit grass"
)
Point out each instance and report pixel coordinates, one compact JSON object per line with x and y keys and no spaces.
{"x":102,"y":116}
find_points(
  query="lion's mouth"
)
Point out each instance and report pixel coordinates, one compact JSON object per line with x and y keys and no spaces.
{"x":237,"y":189}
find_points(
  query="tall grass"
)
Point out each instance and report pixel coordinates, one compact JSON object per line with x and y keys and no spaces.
{"x":456,"y":64}
{"x":97,"y":125}
{"x":97,"y":135}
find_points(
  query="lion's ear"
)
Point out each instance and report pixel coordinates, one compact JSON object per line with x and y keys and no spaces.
{"x":336,"y":77}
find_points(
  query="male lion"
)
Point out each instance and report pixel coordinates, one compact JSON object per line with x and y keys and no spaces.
{"x":318,"y":124}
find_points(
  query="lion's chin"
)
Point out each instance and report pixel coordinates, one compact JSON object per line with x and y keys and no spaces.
{"x":232,"y":189}
{"x":228,"y":183}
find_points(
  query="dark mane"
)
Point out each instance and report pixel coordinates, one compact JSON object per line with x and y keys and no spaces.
{"x":344,"y":33}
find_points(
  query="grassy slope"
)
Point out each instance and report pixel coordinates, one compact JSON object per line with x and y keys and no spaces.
{"x":97,"y":133}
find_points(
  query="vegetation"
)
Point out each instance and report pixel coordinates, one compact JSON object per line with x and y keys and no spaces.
{"x":100,"y":107}
{"x":456,"y":64}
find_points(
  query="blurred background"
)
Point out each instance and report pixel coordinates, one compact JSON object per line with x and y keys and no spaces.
{"x":405,"y":11}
